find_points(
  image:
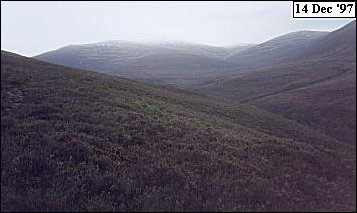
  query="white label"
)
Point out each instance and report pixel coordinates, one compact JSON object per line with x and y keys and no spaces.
{"x":324,"y":9}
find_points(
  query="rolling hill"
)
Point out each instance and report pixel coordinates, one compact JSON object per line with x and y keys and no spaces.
{"x":176,"y":63}
{"x":318,"y":89}
{"x":180,"y":64}
{"x":329,"y":105}
{"x":75,"y":140}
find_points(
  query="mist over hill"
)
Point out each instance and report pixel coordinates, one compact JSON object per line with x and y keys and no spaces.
{"x":177,"y":126}
{"x":180,"y":64}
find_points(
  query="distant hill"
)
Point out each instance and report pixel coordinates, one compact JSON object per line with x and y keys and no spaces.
{"x":341,"y":41}
{"x":75,"y":140}
{"x":315,"y":90}
{"x":180,"y":64}
{"x":279,"y":50}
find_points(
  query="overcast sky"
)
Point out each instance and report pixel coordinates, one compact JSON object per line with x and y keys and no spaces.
{"x":30,"y":28}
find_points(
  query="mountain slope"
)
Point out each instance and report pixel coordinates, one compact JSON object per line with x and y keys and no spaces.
{"x":75,"y":140}
{"x":279,"y":50}
{"x":341,"y":41}
{"x":284,"y":88}
{"x":329,"y":106}
{"x":181,"y":64}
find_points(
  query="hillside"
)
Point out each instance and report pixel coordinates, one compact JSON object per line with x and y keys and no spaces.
{"x":179,"y":64}
{"x":341,"y":41}
{"x":282,"y":49}
{"x":329,"y":106}
{"x":74,"y":140}
{"x":314,"y":91}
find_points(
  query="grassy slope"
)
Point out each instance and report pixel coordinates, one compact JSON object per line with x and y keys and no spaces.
{"x":281,"y":78}
{"x":284,"y":89}
{"x":306,"y":92}
{"x":77,"y":140}
{"x":329,"y":106}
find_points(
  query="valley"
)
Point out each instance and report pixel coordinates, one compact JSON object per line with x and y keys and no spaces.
{"x":250,"y":111}
{"x":269,"y":75}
